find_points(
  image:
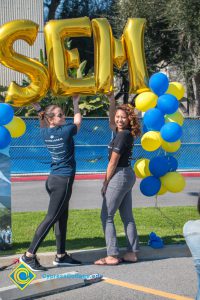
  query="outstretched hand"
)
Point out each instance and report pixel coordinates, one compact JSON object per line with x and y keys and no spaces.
{"x":36,"y":106}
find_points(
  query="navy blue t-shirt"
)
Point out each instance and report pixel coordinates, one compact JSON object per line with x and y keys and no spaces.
{"x":60,"y":143}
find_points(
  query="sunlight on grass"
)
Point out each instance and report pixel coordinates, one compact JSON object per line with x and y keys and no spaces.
{"x":85,"y":229}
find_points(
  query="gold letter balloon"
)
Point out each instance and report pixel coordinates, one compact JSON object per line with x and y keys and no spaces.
{"x":134,"y":41}
{"x":108,"y":51}
{"x":55,"y":34}
{"x":39,"y":78}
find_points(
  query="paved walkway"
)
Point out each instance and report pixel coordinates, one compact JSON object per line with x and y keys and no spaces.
{"x":32,"y":196}
{"x":166,"y":273}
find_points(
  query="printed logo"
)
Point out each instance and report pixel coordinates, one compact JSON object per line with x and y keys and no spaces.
{"x":22,"y":276}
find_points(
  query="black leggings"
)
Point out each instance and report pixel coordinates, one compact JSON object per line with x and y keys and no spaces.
{"x":60,"y":190}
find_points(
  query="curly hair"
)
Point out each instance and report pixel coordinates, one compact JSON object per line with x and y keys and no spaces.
{"x":134,"y":124}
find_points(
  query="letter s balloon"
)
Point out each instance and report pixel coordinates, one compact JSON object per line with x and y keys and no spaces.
{"x":39,"y":79}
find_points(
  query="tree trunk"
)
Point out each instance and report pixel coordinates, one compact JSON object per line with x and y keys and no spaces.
{"x":190,"y":96}
{"x":197,"y":94}
{"x":52,"y":9}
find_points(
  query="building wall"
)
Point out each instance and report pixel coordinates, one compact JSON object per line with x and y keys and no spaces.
{"x":22,"y":9}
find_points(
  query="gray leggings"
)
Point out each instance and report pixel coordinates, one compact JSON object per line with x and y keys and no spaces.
{"x":119,"y":196}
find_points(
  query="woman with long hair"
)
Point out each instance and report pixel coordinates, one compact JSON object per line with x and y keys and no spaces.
{"x":58,"y":137}
{"x":118,"y":183}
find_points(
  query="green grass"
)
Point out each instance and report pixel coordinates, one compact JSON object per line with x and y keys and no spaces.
{"x":85,"y":230}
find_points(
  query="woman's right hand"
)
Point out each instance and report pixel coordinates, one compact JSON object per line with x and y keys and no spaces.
{"x":37,"y":106}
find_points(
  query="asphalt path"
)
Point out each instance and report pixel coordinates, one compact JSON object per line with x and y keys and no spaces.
{"x":172,"y":278}
{"x":32,"y":196}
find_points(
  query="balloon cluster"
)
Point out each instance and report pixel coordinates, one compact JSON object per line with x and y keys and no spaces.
{"x":10,"y":126}
{"x":162,"y":127}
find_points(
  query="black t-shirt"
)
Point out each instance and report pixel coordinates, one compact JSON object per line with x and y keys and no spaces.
{"x":122,"y":143}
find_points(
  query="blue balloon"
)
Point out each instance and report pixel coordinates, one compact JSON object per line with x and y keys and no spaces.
{"x":172,"y":163}
{"x":150,"y":186}
{"x":159,"y":83}
{"x":155,"y":241}
{"x":158,"y":166}
{"x":154,"y":119}
{"x":5,"y":137}
{"x":168,"y":104}
{"x":6,"y":113}
{"x":144,"y":129}
{"x":171,"y":132}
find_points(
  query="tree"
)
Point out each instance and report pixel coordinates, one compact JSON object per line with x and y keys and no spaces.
{"x":65,"y":9}
{"x":184,"y":18}
{"x":158,"y":35}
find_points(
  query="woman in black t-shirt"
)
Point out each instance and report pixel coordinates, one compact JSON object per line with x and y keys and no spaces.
{"x":119,"y":180}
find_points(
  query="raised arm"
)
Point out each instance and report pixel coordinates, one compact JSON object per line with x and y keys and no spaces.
{"x":77,"y":114}
{"x":112,"y":108}
{"x":40,"y":112}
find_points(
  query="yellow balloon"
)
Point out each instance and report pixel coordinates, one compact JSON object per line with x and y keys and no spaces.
{"x":119,"y":52}
{"x":173,"y":181}
{"x":145,"y":101}
{"x":16,"y":127}
{"x":162,"y":190}
{"x":134,"y":45}
{"x":141,"y":168}
{"x":73,"y":58}
{"x":176,"y":89}
{"x":39,"y":78}
{"x":59,"y":60}
{"x":103,"y":55}
{"x":151,"y":140}
{"x":176,"y":117}
{"x":171,"y":147}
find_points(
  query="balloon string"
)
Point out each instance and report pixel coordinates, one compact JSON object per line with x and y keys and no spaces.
{"x":168,"y":220}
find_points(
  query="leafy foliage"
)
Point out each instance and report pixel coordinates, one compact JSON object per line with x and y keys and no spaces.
{"x":184,"y":17}
{"x":89,"y":105}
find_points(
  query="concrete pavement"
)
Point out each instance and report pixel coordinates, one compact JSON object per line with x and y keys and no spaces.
{"x":159,"y":274}
{"x":162,"y":273}
{"x":32,"y":196}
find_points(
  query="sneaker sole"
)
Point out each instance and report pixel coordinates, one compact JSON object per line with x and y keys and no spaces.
{"x":21,"y":260}
{"x":65,"y":264}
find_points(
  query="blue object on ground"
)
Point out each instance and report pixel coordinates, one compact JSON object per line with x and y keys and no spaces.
{"x":155,"y":241}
